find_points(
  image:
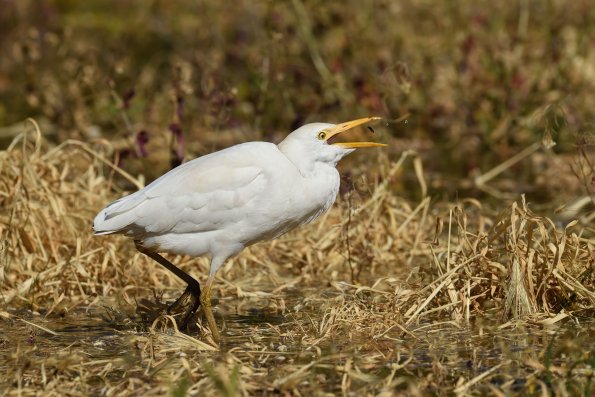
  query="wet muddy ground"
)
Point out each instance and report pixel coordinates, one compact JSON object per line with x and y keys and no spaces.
{"x":103,"y":347}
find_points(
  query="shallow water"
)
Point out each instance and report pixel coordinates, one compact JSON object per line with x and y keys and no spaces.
{"x":447,"y":350}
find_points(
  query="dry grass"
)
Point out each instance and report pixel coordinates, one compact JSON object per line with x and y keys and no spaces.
{"x":380,"y":296}
{"x":402,"y":288}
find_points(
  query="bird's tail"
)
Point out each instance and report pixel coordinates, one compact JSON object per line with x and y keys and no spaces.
{"x":104,"y":225}
{"x":117,"y":216}
{"x":101,"y":226}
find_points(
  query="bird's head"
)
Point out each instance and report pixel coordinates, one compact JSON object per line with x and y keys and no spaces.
{"x":313,"y":143}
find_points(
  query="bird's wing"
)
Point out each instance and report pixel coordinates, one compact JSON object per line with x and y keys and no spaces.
{"x":203,"y":194}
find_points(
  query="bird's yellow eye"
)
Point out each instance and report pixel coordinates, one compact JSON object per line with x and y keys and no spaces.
{"x":322,"y":135}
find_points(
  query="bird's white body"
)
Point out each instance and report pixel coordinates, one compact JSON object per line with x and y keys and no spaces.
{"x":222,"y":202}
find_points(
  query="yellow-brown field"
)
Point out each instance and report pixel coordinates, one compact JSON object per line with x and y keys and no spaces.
{"x":458,"y":261}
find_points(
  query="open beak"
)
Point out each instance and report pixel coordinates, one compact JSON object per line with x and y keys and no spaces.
{"x":339,"y":128}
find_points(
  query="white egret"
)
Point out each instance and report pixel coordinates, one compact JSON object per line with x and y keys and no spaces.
{"x":222,"y":202}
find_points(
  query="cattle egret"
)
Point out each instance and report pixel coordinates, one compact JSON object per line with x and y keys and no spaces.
{"x":222,"y":202}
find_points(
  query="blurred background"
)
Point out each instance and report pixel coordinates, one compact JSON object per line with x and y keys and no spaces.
{"x":466,"y":84}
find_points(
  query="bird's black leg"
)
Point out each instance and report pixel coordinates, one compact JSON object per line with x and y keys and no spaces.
{"x":193,"y":288}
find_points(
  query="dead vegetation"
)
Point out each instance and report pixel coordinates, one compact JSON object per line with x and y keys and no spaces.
{"x":381,"y":295}
{"x":458,"y":262}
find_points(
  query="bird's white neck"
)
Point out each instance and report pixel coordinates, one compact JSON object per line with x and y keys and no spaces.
{"x":304,"y":160}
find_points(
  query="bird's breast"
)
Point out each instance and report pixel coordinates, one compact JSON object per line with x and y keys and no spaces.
{"x":295,"y":201}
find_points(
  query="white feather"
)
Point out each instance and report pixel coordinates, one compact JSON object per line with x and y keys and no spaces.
{"x":222,"y":202}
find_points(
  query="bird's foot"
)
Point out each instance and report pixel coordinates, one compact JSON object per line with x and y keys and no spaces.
{"x":190,"y":311}
{"x":179,"y":303}
{"x":189,"y":301}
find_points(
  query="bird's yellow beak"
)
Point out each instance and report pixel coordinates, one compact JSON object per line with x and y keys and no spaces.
{"x":339,"y":128}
